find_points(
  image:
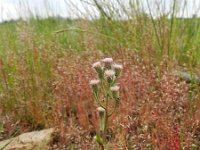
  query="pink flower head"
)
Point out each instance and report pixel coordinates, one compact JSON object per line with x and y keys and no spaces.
{"x":107,"y":62}
{"x":109,"y":73}
{"x":97,"y":65}
{"x":118,"y":69}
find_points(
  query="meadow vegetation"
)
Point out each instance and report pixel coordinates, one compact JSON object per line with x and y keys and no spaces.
{"x":45,"y":69}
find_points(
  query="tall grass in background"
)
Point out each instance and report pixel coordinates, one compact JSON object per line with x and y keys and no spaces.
{"x":30,"y":50}
{"x":150,"y":27}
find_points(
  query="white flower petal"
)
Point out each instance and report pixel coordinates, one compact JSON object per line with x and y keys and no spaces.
{"x":114,"y":88}
{"x":96,"y":64}
{"x":109,"y":73}
{"x":94,"y":82}
{"x":107,"y":60}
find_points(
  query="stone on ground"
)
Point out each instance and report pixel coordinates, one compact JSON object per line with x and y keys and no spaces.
{"x":29,"y":141}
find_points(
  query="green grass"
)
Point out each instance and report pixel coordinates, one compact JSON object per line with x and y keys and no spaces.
{"x":160,"y":36}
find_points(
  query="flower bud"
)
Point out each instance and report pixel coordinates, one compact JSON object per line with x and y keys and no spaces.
{"x":118,"y":69}
{"x":98,"y":67}
{"x":96,"y":64}
{"x":101,"y":111}
{"x":110,"y":75}
{"x":107,"y":63}
{"x":115,"y":92}
{"x":94,"y":85}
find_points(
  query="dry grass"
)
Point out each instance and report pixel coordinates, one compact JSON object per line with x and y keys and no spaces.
{"x":157,"y":109}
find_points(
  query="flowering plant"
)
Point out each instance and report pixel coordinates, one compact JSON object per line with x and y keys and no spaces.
{"x":106,"y":93}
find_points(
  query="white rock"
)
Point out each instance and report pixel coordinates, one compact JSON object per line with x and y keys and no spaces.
{"x":29,"y":141}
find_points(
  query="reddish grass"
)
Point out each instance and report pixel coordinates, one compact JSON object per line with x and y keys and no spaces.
{"x":156,"y":109}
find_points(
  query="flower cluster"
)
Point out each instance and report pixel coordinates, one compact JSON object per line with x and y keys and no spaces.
{"x":107,"y":70}
{"x":105,"y":86}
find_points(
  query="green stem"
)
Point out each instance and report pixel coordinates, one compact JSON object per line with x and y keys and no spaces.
{"x":86,"y":31}
{"x":102,"y":147}
{"x":106,"y":126}
{"x":106,"y":111}
{"x":103,"y":89}
{"x":109,"y":115}
{"x":98,"y":101}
